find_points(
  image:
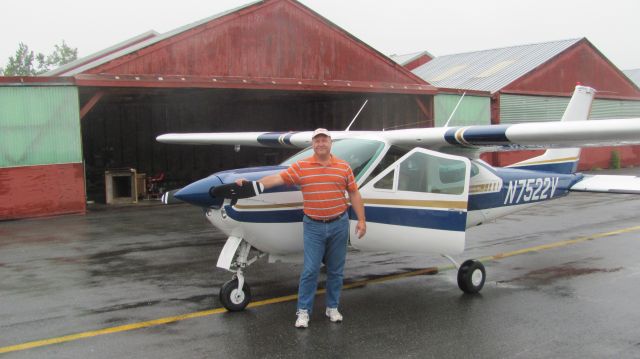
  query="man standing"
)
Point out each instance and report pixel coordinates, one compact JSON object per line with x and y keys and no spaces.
{"x":323,"y":179}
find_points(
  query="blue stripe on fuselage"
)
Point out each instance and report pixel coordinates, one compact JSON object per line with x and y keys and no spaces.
{"x":417,"y":217}
{"x":411,"y":217}
{"x":266,"y":216}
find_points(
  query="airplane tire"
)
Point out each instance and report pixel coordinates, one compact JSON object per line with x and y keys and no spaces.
{"x":471,"y":276}
{"x":231,"y":299}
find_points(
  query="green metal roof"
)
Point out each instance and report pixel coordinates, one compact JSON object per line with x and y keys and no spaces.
{"x":489,"y":70}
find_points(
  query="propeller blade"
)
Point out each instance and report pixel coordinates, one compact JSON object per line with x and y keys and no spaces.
{"x":169,"y":197}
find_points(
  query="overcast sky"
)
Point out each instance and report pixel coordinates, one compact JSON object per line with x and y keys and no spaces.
{"x":401,"y":26}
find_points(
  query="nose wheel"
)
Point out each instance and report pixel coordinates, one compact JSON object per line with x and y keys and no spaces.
{"x":233,"y":297}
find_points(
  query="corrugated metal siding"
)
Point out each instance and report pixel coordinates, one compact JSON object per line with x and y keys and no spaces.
{"x":615,"y":109}
{"x":473,"y":110}
{"x":517,"y":108}
{"x":489,"y":70}
{"x":39,"y":125}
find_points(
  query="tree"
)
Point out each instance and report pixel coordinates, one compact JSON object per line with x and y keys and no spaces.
{"x":62,"y":54}
{"x":26,"y":63}
{"x":21,"y":64}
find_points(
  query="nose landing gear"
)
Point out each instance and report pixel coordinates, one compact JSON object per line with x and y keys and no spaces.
{"x":235,"y":294}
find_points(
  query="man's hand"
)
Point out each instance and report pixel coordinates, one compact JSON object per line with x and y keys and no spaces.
{"x":361,"y":228}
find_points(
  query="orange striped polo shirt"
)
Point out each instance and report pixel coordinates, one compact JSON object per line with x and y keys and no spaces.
{"x":322,"y":187}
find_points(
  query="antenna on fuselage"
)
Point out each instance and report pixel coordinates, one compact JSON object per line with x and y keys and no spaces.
{"x":356,"y":116}
{"x":455,"y":109}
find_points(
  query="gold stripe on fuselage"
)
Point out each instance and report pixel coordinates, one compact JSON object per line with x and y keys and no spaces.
{"x":484,"y":187}
{"x":557,"y":160}
{"x":417,"y":203}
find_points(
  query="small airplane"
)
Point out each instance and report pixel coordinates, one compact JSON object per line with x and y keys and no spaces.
{"x":422,"y":188}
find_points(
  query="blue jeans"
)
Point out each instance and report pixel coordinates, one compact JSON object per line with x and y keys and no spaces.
{"x":328,"y":240}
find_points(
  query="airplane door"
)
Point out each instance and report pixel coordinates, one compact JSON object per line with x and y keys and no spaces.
{"x":417,"y":205}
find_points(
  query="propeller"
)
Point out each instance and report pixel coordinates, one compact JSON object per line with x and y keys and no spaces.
{"x":170,"y":198}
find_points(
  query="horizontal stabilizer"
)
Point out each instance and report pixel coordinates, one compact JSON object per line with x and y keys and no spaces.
{"x":608,"y":184}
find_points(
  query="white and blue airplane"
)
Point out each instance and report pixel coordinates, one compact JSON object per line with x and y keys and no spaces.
{"x":422,"y":188}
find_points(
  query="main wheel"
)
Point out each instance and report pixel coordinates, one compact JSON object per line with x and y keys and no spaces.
{"x":233,"y":299}
{"x":471,"y":276}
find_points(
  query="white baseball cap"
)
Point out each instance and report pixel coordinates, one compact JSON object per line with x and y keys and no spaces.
{"x":321,"y":131}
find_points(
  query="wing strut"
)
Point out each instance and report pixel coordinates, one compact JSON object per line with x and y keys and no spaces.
{"x":455,"y":109}
{"x":356,"y":116}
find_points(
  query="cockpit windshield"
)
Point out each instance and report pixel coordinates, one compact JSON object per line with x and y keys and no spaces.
{"x":358,"y":152}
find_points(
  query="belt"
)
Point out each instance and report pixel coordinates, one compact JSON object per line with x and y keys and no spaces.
{"x":328,"y":220}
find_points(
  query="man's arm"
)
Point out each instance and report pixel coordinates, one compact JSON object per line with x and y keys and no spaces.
{"x":358,"y":207}
{"x":270,"y":181}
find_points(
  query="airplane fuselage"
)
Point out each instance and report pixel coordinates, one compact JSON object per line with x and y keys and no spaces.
{"x":425,"y":207}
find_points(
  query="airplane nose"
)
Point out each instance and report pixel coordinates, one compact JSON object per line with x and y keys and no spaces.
{"x":197,"y":193}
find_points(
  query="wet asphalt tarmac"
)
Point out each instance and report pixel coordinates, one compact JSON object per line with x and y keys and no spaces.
{"x":103,"y":277}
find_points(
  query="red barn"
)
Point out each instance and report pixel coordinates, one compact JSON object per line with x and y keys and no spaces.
{"x":533,"y":83}
{"x":271,"y":65}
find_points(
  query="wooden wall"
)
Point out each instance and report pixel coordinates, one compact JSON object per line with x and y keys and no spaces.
{"x":34,"y":191}
{"x":270,"y":39}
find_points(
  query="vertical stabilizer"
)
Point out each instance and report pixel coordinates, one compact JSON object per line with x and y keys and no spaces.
{"x":564,"y":160}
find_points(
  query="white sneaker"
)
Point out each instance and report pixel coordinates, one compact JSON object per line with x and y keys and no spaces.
{"x":303,"y":318}
{"x":333,"y":315}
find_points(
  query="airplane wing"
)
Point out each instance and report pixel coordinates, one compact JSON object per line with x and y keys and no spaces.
{"x":572,"y":131}
{"x":608,"y":184}
{"x":532,"y":135}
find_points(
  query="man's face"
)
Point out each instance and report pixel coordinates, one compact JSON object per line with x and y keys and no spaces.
{"x":322,"y":145}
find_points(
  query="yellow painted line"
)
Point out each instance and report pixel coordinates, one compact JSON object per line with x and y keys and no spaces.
{"x":288,"y":298}
{"x":560,"y":244}
{"x":121,"y":328}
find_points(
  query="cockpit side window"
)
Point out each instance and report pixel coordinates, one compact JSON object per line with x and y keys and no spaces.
{"x":426,"y":173}
{"x":474,"y":169}
{"x":421,"y":172}
{"x":393,"y":154}
{"x":385,"y":182}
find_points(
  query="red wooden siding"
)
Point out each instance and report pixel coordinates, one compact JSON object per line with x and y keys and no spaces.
{"x":581,"y":63}
{"x":34,"y":191}
{"x":277,"y":38}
